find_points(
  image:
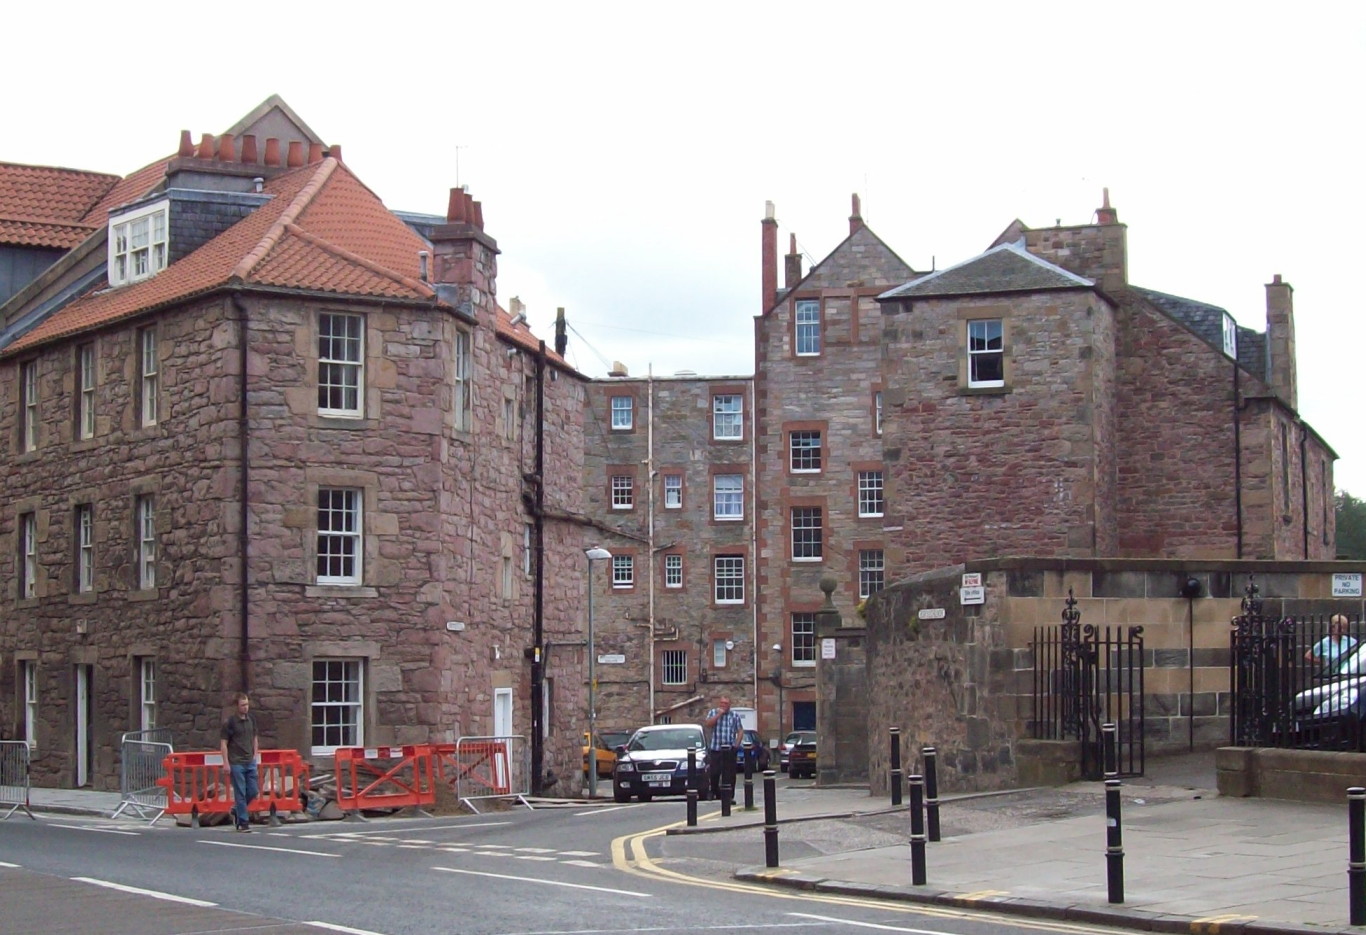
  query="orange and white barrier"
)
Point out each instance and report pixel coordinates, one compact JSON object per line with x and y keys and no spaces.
{"x":485,"y":768}
{"x":385,"y":777}
{"x":200,"y":783}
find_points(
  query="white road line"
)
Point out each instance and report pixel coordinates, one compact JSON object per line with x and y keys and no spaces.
{"x":532,"y":857}
{"x":15,"y":866}
{"x":262,"y":847}
{"x":604,"y":810}
{"x":142,"y":892}
{"x":870,"y":925}
{"x":100,"y":830}
{"x":389,"y":830}
{"x":580,"y":853}
{"x":582,"y":863}
{"x":574,"y":886}
{"x":331,"y":926}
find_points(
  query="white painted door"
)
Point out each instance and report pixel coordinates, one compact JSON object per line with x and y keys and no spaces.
{"x":83,"y":740}
{"x":502,"y":712}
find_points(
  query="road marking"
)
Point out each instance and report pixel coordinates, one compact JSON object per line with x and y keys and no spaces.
{"x":389,"y":830}
{"x":574,"y":886}
{"x":139,"y":891}
{"x":869,"y":925}
{"x":263,"y":847}
{"x":605,"y":809}
{"x":101,"y":830}
{"x":15,"y":866}
{"x":342,"y":928}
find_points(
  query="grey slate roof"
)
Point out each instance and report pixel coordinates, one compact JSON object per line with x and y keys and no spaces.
{"x":1208,"y":322}
{"x":1005,"y":268}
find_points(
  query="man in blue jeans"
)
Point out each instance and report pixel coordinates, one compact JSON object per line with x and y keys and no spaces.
{"x":727,"y":730}
{"x":241,"y":750}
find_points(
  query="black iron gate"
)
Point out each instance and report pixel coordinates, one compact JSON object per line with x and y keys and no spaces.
{"x":1087,"y":676}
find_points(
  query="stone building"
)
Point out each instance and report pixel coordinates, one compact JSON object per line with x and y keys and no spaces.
{"x":669,"y":474}
{"x":260,"y":431}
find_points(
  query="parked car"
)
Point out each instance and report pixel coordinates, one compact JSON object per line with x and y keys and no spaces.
{"x":655,"y":762}
{"x":605,"y":749}
{"x":756,"y":752}
{"x":801,"y":759}
{"x":785,"y":747}
{"x":1333,"y":714}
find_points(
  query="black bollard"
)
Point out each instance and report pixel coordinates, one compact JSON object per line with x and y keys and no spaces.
{"x":749,"y":777}
{"x":896,"y":765}
{"x":931,"y":792}
{"x":1109,"y":734}
{"x":692,"y":788}
{"x":1356,"y":854}
{"x":917,"y":830}
{"x":1114,"y":842}
{"x":727,"y":778}
{"x":770,"y":819}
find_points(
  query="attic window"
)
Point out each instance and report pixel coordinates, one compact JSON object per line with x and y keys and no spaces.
{"x":1230,"y":336}
{"x":138,"y":243}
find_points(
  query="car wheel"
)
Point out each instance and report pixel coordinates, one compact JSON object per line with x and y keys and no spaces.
{"x":619,"y":796}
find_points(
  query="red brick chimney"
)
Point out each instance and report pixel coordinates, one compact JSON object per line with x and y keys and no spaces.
{"x":792,"y":272}
{"x":769,"y":248}
{"x":465,"y":265}
{"x":855,"y":219}
{"x":1280,"y":341}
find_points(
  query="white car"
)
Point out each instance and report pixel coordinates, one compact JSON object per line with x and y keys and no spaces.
{"x":1337,"y":701}
{"x":655,"y":762}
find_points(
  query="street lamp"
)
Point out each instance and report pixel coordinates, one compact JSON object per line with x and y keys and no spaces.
{"x":595,"y":554}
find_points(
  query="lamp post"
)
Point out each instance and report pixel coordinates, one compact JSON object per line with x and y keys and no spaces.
{"x":594,"y":554}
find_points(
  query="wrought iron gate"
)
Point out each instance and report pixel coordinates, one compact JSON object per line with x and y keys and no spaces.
{"x":1086,"y":676}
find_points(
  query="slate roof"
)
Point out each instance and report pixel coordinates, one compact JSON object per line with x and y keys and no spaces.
{"x":44,"y":206}
{"x":322,"y":231}
{"x":1208,"y":322}
{"x":1005,"y":268}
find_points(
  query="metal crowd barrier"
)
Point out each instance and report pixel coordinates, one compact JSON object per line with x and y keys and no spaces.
{"x":14,"y":778}
{"x":141,"y":754}
{"x":486,"y":768}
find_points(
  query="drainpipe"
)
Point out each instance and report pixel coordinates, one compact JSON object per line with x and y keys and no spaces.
{"x":538,"y":615}
{"x":650,"y":480}
{"x":1237,"y":463}
{"x":1304,"y":488}
{"x":243,"y":440}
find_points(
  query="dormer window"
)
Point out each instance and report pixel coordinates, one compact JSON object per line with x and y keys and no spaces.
{"x":138,"y":243}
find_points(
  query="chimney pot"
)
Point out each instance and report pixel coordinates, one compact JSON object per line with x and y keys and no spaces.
{"x":855,"y":218}
{"x":295,"y":156}
{"x":272,"y":151}
{"x":315,"y":153}
{"x":249,"y":148}
{"x":226,"y":152}
{"x":1276,"y":279}
{"x":478,"y":214}
{"x":186,"y":144}
{"x":205,"y":146}
{"x":336,"y":151}
{"x":455,"y":207}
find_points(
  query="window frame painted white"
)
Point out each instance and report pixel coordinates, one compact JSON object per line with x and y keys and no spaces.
{"x":353,"y":507}
{"x":145,"y":517}
{"x":341,"y":376}
{"x":673,"y":570}
{"x":29,"y":411}
{"x":728,"y":504}
{"x":673,"y":667}
{"x":147,"y":693}
{"x":28,"y":551}
{"x":872,"y":564}
{"x":623,"y":417}
{"x":871,"y":502}
{"x":813,"y":549}
{"x":805,"y":451}
{"x":673,"y":491}
{"x":728,"y":579}
{"x":623,"y":492}
{"x":803,"y":638}
{"x":86,"y":383}
{"x":149,"y":367}
{"x":806,"y":328}
{"x":30,"y":683}
{"x":623,"y":571}
{"x":151,"y":222}
{"x":462,"y":388}
{"x":352,"y":705}
{"x":84,"y":523}
{"x":986,"y":352}
{"x":728,"y":417}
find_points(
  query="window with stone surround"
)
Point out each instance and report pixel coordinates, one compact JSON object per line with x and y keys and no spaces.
{"x":623,"y":492}
{"x":623,"y":571}
{"x":28,"y":405}
{"x":673,"y":491}
{"x":729,"y":579}
{"x":85,"y":391}
{"x":807,"y":534}
{"x":986,"y":353}
{"x":337,"y":709}
{"x":341,"y":364}
{"x":339,"y":536}
{"x":728,"y":497}
{"x":718,"y":654}
{"x":144,"y":516}
{"x":673,"y":571}
{"x":870,"y":493}
{"x":149,"y":379}
{"x":147,"y":693}
{"x":674,"y":667}
{"x":804,"y":639}
{"x":807,"y":328}
{"x":462,"y":398}
{"x":28,"y":556}
{"x":870,"y":570}
{"x":623,"y":413}
{"x":804,"y":449}
{"x":83,"y":525}
{"x":138,"y":244}
{"x":877,"y":412}
{"x":727,"y":417}
{"x":29,"y":675}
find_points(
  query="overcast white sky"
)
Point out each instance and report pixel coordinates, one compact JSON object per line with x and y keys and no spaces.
{"x":623,"y":152}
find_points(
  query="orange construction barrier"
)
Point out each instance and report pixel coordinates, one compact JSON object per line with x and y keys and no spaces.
{"x":478,"y":765}
{"x":384,"y":777}
{"x":199,"y":783}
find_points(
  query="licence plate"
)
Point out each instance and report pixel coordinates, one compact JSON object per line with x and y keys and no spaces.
{"x":658,"y":779}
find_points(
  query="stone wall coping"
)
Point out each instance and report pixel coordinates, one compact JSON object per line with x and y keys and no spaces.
{"x":1175,"y":565}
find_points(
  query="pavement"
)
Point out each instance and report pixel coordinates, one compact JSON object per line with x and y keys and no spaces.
{"x":1193,"y":861}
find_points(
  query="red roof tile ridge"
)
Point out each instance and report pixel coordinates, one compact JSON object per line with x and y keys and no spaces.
{"x":65,"y":170}
{"x":342,"y":253}
{"x":277,"y":230}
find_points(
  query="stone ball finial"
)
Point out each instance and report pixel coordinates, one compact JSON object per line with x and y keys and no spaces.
{"x":828,"y":583}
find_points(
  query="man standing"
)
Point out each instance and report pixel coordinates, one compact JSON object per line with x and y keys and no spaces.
{"x":726,"y":730}
{"x":241,"y":750}
{"x":1329,"y":652}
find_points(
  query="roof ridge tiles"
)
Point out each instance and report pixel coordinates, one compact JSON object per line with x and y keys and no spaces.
{"x":277,"y":230}
{"x":342,"y":253}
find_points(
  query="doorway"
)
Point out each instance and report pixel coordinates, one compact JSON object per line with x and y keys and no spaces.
{"x":502,"y":712}
{"x":84,"y":742}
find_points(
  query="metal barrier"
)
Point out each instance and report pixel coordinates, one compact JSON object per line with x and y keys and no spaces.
{"x":486,"y":768}
{"x":384,"y":777}
{"x":141,"y":754}
{"x":14,"y":781}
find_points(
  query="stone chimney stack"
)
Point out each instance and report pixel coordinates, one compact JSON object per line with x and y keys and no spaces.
{"x":856,"y":218}
{"x":792,"y":272}
{"x":1280,"y":341}
{"x":465,"y":261}
{"x":1098,"y":251}
{"x":770,"y":259}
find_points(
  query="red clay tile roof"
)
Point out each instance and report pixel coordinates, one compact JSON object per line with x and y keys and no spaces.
{"x":290,"y":242}
{"x":125,"y":190}
{"x":44,"y":206}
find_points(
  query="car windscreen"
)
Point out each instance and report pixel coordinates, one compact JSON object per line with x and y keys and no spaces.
{"x":667,"y":740}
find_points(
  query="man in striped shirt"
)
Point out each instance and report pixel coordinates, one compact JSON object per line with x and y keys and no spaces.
{"x":726,"y":730}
